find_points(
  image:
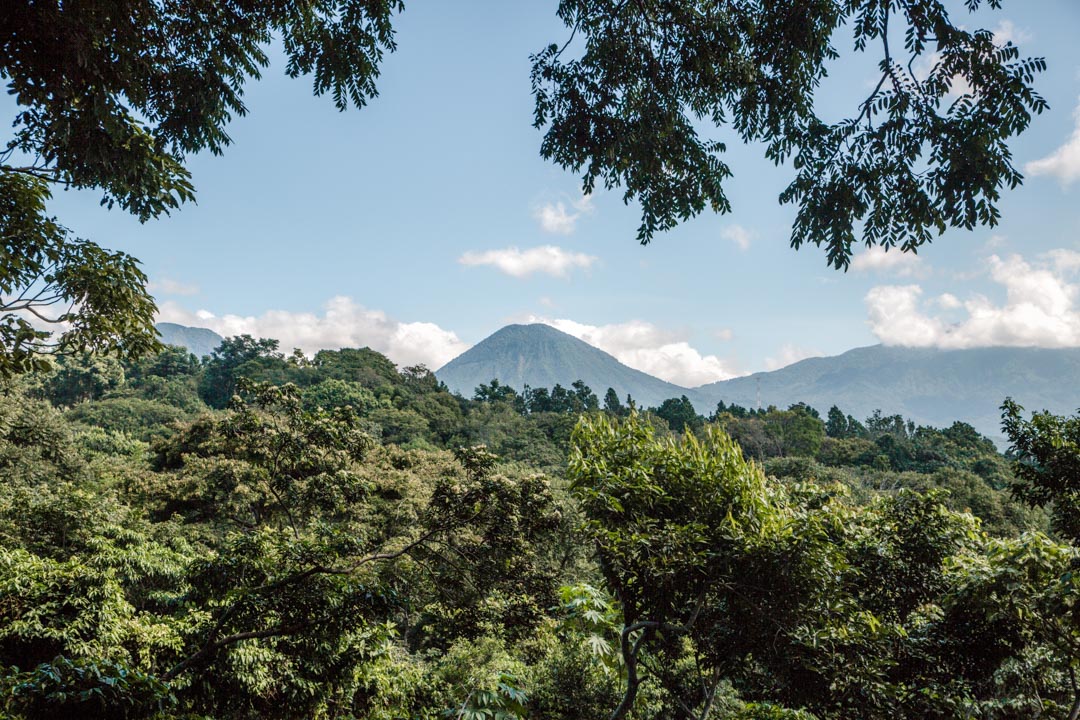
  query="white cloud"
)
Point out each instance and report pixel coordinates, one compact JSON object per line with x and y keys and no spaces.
{"x":789,"y":355}
{"x":646,"y":347}
{"x":1063,"y":163}
{"x":343,"y":323}
{"x":548,"y":259}
{"x":168,"y":286}
{"x":724,"y":334}
{"x":1064,"y":260}
{"x":949,"y":301}
{"x":1040,"y":308}
{"x":738,"y":235}
{"x":556,"y":219}
{"x":879,"y":259}
{"x":1007,"y":32}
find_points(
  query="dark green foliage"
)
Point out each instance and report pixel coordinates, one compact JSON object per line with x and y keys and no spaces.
{"x":172,"y":362}
{"x":580,"y":398}
{"x":84,"y":690}
{"x":612,"y":404}
{"x":627,"y":107}
{"x":496,"y":392}
{"x":58,"y":279}
{"x":345,"y":544}
{"x":843,"y":427}
{"x":1046,"y":449}
{"x":679,"y":414}
{"x":81,"y":378}
{"x":225,"y":363}
{"x":137,"y":417}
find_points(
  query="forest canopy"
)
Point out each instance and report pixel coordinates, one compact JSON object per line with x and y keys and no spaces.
{"x":260,"y":536}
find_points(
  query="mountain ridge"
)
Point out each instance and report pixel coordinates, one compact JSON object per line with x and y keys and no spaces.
{"x":927,"y":385}
{"x":198,"y":341}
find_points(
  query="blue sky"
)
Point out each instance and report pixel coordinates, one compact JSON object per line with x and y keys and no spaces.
{"x":427,"y":220}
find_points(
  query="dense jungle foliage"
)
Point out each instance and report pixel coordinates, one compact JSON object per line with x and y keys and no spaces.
{"x":261,"y":536}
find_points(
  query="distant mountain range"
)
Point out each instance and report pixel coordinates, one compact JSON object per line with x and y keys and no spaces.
{"x":198,"y":341}
{"x":931,"y":387}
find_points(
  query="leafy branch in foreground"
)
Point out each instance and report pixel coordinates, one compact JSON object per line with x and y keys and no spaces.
{"x":113,"y":97}
{"x":59,"y":294}
{"x":926,"y":150}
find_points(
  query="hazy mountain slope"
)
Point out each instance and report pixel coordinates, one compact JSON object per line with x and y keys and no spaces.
{"x":198,"y":341}
{"x":541,"y":356}
{"x":932,"y":387}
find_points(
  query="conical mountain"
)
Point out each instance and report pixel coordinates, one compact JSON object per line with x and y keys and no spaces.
{"x":540,"y":356}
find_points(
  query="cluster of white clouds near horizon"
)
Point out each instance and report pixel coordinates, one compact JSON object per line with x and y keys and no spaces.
{"x":1041,"y":310}
{"x":1041,"y":307}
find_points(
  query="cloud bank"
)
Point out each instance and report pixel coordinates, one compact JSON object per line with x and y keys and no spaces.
{"x":548,"y":259}
{"x":344,"y":323}
{"x":1040,"y":308}
{"x":646,"y":347}
{"x":1063,"y":163}
{"x":878,"y":259}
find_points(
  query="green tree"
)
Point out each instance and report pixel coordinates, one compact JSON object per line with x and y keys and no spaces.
{"x":679,"y":414}
{"x":49,"y":279}
{"x":836,"y":425}
{"x":910,"y":162}
{"x":612,"y":404}
{"x":668,"y":519}
{"x":586,"y":398}
{"x":172,"y":361}
{"x":223,"y":367}
{"x":1046,"y":450}
{"x":791,"y":597}
{"x":82,"y":377}
{"x":497,"y":392}
{"x":113,"y":98}
{"x":797,"y":430}
{"x":333,"y":393}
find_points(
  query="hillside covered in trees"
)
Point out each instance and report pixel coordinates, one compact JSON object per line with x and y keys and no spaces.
{"x":269,"y":536}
